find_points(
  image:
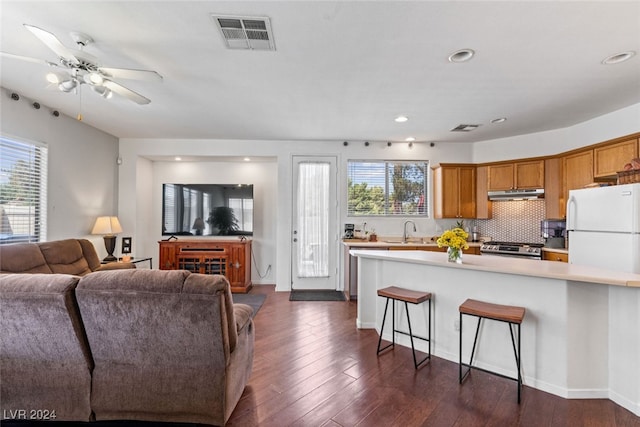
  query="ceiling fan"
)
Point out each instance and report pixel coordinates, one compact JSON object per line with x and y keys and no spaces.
{"x":83,"y":68}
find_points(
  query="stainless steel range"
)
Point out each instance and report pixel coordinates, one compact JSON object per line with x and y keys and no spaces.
{"x":511,"y":249}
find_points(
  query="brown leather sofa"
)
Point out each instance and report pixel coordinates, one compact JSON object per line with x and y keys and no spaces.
{"x":150,"y":345}
{"x":70,"y":256}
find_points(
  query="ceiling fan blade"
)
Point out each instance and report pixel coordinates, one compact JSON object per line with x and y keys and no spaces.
{"x":28,"y":59}
{"x":126,"y":73}
{"x":52,"y":42}
{"x":127,"y":93}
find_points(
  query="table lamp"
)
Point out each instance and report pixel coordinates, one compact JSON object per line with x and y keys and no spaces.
{"x":198,"y":225}
{"x":109,"y":226}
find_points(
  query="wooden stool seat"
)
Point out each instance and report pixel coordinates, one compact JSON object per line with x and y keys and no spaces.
{"x":406,"y":296}
{"x":504,"y":313}
{"x":512,"y":315}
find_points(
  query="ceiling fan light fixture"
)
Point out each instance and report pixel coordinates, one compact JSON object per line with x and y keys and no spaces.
{"x":103,"y":91}
{"x":93,"y":78}
{"x":54,"y":78}
{"x":67,"y":85}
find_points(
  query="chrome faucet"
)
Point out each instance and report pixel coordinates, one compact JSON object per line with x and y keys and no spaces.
{"x":404,"y":233}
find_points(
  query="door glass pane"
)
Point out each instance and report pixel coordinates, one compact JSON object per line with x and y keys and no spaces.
{"x":313,"y":220}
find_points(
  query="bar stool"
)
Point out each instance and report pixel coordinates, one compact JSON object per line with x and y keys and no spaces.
{"x":504,"y":313}
{"x":407,"y":296}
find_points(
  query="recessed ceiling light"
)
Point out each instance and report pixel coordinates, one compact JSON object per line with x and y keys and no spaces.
{"x":246,"y":159}
{"x":462,"y":55}
{"x":178,"y":159}
{"x":618,"y":57}
{"x":499,"y":120}
{"x":410,"y":139}
{"x":401,"y":119}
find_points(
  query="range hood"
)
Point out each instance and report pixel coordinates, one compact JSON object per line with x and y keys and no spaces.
{"x":518,"y":194}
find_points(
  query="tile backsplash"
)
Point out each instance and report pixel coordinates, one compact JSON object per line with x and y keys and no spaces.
{"x":514,"y":221}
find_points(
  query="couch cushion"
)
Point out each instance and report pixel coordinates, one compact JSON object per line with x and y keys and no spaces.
{"x":65,"y":257}
{"x":158,"y":343}
{"x":90,"y":254}
{"x":44,"y":356}
{"x":22,"y":258}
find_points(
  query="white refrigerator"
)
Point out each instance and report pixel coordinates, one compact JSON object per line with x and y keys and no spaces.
{"x":603,"y":226}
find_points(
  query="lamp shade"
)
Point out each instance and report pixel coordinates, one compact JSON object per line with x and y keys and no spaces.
{"x":198,"y":224}
{"x":107,"y":225}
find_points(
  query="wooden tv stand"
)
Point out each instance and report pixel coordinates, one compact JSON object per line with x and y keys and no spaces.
{"x":231,"y":258}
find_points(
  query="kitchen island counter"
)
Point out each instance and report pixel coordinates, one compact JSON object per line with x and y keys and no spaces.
{"x":524,"y":267}
{"x":579,"y":335}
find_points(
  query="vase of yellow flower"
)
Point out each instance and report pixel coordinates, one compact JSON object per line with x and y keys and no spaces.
{"x":455,"y":240}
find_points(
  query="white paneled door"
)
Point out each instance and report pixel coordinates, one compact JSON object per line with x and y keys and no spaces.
{"x":314,"y":219}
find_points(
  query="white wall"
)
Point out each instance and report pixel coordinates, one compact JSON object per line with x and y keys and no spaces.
{"x":82,"y":179}
{"x":618,"y":123}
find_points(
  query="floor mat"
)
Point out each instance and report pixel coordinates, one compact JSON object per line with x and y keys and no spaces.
{"x":254,"y":300}
{"x":316,"y":295}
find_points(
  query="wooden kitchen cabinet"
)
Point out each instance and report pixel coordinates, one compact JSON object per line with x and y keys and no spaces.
{"x":230,"y":258}
{"x":454,"y":191}
{"x":554,"y":198}
{"x":509,"y":176}
{"x":577,"y":171}
{"x":483,"y":205}
{"x":555,"y":256}
{"x":611,"y":158}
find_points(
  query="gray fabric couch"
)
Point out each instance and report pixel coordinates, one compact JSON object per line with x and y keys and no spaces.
{"x":146,"y":345}
{"x":69,"y":256}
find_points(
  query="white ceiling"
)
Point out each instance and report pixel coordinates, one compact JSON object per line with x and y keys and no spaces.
{"x":341,"y":70}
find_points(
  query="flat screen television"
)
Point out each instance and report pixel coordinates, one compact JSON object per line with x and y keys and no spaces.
{"x":207,"y":209}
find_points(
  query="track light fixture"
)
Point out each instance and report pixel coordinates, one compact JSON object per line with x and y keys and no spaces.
{"x":15,"y":96}
{"x":345,"y":143}
{"x":388,"y":143}
{"x":366,"y":143}
{"x":55,"y":113}
{"x":36,"y":105}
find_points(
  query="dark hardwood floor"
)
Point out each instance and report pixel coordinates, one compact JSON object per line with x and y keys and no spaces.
{"x":312,"y":367}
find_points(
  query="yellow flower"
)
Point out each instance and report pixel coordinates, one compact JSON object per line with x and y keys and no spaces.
{"x":454,"y":238}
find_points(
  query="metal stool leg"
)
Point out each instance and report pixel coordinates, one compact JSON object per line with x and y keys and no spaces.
{"x":461,"y":377}
{"x":410,"y":333}
{"x":384,"y":319}
{"x":517,"y":354}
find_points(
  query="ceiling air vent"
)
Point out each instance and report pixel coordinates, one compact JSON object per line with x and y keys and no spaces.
{"x":245,"y":32}
{"x":464,"y":128}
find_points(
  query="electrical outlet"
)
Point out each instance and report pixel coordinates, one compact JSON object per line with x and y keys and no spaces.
{"x":456,"y":325}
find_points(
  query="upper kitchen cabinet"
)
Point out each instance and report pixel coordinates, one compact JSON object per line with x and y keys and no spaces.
{"x":483,"y":204}
{"x":577,"y":170}
{"x":554,"y":198}
{"x":523,"y":175}
{"x":454,"y":191}
{"x":611,"y":158}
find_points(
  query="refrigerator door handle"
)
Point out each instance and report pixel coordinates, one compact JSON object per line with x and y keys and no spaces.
{"x":571,"y":213}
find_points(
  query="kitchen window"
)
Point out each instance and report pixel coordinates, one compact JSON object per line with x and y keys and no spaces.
{"x":387,"y":188}
{"x":23,"y":191}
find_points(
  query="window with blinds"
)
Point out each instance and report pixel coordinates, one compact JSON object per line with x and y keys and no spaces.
{"x":23,"y":191}
{"x":387,"y":188}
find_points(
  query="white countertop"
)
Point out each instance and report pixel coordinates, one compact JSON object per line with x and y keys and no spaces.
{"x":523,"y":267}
{"x":349,"y":243}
